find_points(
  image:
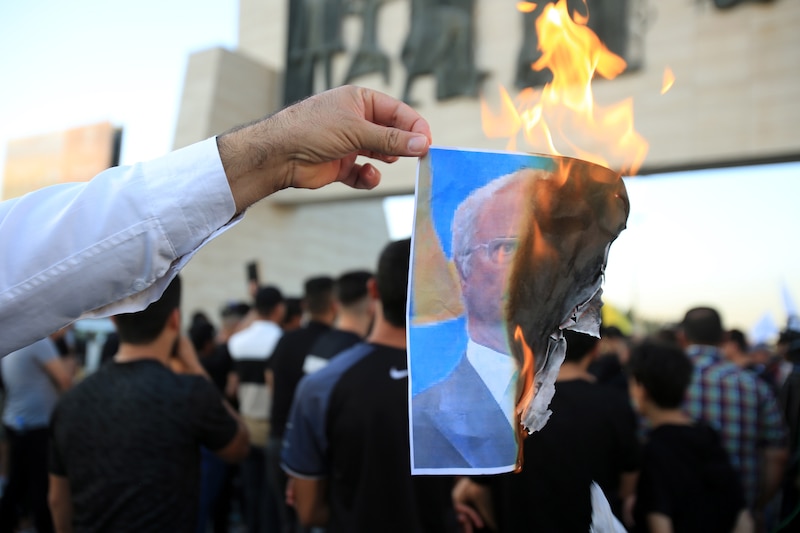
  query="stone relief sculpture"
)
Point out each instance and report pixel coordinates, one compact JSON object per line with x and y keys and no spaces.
{"x":369,"y":58}
{"x":441,"y":42}
{"x":315,"y":37}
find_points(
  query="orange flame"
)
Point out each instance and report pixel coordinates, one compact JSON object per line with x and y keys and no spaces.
{"x":669,"y":80}
{"x":562,"y":118}
{"x":526,"y":7}
{"x":526,"y":374}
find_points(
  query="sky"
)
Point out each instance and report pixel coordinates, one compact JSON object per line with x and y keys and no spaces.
{"x":72,"y":63}
{"x":726,"y":239}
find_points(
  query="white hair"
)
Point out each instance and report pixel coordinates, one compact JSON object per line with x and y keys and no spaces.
{"x":466,"y":216}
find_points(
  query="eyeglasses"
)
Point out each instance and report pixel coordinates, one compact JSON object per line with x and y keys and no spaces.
{"x":500,"y":250}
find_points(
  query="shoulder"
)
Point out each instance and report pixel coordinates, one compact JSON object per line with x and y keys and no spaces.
{"x":325,"y":378}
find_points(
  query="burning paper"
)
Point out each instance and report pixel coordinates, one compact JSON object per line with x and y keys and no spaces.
{"x":508,"y":249}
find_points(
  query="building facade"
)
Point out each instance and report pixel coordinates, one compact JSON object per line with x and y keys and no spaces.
{"x":736,"y":65}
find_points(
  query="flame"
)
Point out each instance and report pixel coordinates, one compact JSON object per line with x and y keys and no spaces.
{"x":562,"y":118}
{"x":669,"y":80}
{"x":526,"y":374}
{"x":526,"y":7}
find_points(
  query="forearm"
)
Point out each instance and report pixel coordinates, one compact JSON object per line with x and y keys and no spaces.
{"x":117,"y":239}
{"x":60,"y":501}
{"x":773,"y":468}
{"x":311,"y":501}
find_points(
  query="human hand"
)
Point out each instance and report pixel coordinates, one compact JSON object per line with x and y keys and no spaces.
{"x":315,"y":142}
{"x":473,"y":505}
{"x":185,"y":359}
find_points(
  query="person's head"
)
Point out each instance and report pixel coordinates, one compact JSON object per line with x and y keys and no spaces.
{"x":391,"y":281}
{"x":579,"y":346}
{"x":789,"y":345}
{"x":269,"y":303}
{"x":735,"y":348}
{"x":702,"y":325}
{"x":202,"y":335}
{"x":144,"y":327}
{"x":351,"y":290}
{"x":485,"y":231}
{"x":318,"y":297}
{"x":659,"y":373}
{"x":293,"y":317}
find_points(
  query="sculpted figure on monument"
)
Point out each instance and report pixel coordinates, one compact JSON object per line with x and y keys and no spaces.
{"x":315,"y":37}
{"x":441,"y":42}
{"x":369,"y":57}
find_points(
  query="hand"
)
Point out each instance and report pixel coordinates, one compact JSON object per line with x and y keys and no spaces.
{"x":290,"y":492}
{"x":185,"y":360}
{"x":468,"y":518}
{"x":473,"y":505}
{"x":316,"y":142}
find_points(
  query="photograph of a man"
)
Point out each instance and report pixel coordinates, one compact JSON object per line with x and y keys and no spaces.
{"x":509,"y":250}
{"x":464,"y":418}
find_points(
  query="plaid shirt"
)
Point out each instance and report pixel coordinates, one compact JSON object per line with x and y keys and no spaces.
{"x":740,"y":406}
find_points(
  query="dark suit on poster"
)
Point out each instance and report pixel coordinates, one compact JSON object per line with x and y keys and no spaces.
{"x":457,"y":423}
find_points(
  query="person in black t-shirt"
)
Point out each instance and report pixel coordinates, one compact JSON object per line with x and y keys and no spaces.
{"x":590,"y":437}
{"x":125,"y":443}
{"x":687,"y":482}
{"x":346,"y":446}
{"x":354,"y":316}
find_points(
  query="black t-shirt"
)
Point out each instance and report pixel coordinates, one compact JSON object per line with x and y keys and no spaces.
{"x":350,"y":426}
{"x":591,"y":436}
{"x":128,"y":440}
{"x":332,"y":343}
{"x":687,"y":476}
{"x":286,"y":364}
{"x":218,"y":365}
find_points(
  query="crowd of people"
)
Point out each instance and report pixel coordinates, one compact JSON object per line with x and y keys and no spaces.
{"x":686,"y":431}
{"x":251,"y":421}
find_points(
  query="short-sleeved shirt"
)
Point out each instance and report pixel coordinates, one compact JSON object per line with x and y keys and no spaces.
{"x":327,"y":346}
{"x":349,"y":425}
{"x":739,"y":406}
{"x":686,"y":475}
{"x":30,"y":393}
{"x":286,"y":364}
{"x":128,"y":439}
{"x":590,"y":436}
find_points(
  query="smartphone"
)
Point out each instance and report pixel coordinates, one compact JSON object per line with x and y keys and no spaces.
{"x":252,"y":272}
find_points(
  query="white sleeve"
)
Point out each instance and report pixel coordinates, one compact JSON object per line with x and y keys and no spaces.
{"x":109,"y":245}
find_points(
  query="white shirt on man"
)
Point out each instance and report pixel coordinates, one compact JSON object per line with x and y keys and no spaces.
{"x":498,"y":372}
{"x":65,"y":248}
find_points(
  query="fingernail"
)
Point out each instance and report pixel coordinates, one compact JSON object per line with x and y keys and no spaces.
{"x":417,"y":144}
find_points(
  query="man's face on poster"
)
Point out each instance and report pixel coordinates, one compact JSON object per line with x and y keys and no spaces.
{"x":485,"y":271}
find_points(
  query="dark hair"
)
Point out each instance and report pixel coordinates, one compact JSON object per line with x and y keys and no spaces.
{"x":663,"y":369}
{"x":578,"y":345}
{"x":145,"y":326}
{"x":702,"y":325}
{"x":738,"y":337}
{"x":294,"y":308}
{"x":789,"y":339}
{"x":351,"y":287}
{"x":318,"y":294}
{"x":392,"y":281}
{"x":201,"y":333}
{"x":235,"y":309}
{"x":267,"y":299}
{"x":611,"y":332}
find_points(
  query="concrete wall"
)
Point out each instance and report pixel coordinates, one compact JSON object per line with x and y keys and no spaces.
{"x":735,"y":97}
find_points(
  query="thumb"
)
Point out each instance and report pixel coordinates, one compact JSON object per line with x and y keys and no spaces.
{"x":394,"y":142}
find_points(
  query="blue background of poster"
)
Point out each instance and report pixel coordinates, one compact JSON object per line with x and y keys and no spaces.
{"x":435,"y":348}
